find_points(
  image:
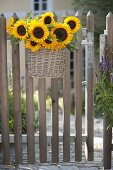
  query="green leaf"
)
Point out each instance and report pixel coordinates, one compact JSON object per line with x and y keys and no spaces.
{"x":14,"y":40}
{"x":29,"y":15}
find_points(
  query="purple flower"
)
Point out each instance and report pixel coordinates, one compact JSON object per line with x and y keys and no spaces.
{"x":103,"y":65}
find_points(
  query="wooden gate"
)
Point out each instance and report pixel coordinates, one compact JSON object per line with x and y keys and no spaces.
{"x":85,"y":42}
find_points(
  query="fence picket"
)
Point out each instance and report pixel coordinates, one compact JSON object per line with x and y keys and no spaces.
{"x":78,"y":96}
{"x":30,"y":118}
{"x":66,"y":101}
{"x":107,"y":132}
{"x":55,"y":120}
{"x":16,"y":103}
{"x":42,"y":120}
{"x":90,"y":112}
{"x":0,"y":89}
{"x":90,"y":85}
{"x":4,"y":91}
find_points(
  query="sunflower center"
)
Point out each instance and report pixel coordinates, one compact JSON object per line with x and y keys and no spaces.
{"x":47,"y":20}
{"x":21,"y":30}
{"x":38,"y":32}
{"x":33,"y":43}
{"x":48,"y":41}
{"x":61,"y":34}
{"x":72,"y":24}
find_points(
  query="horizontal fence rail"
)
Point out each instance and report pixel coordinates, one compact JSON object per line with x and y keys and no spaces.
{"x":36,"y":138}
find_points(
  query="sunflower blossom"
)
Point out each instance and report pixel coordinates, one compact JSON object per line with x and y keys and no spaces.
{"x":47,"y":18}
{"x":73,"y":22}
{"x":20,"y":29}
{"x":10,"y":26}
{"x":60,"y":46}
{"x":50,"y":43}
{"x":38,"y":31}
{"x":63,"y":33}
{"x":33,"y":46}
{"x":44,"y":31}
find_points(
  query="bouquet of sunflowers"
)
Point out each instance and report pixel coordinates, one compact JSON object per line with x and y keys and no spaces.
{"x":44,"y":31}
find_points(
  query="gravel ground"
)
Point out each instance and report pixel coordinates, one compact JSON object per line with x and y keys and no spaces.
{"x":52,"y":167}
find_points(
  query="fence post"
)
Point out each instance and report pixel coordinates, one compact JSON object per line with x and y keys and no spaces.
{"x":30,"y":117}
{"x":17,"y":101}
{"x":55,"y":120}
{"x":107,"y":133}
{"x":89,"y":75}
{"x":42,"y":120}
{"x":107,"y":145}
{"x":4,"y":91}
{"x":55,"y":117}
{"x":0,"y":90}
{"x":78,"y":95}
{"x":66,"y":101}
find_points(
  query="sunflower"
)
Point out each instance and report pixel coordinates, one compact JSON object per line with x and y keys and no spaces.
{"x":63,"y":33}
{"x":33,"y":46}
{"x":60,"y":46}
{"x":20,"y":29}
{"x":73,"y":22}
{"x":36,"y":17}
{"x":38,"y":31}
{"x":50,"y":43}
{"x":32,"y":21}
{"x":47,"y":18}
{"x":10,"y":26}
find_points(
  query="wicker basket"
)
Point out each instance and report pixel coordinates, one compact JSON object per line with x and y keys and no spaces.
{"x":46,"y":63}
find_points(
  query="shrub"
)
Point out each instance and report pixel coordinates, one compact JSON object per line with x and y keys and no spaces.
{"x":23,"y":114}
{"x":104,"y":91}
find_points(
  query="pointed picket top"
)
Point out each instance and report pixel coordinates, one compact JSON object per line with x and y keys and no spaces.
{"x":2,"y":15}
{"x":90,"y":13}
{"x":2,"y":19}
{"x":15,"y":15}
{"x":54,"y":13}
{"x":109,"y":14}
{"x":64,"y":15}
{"x":78,"y":14}
{"x":109,"y":18}
{"x":109,"y":25}
{"x":55,"y":16}
{"x":90,"y":21}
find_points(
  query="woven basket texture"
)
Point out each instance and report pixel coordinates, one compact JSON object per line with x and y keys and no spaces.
{"x":46,"y":63}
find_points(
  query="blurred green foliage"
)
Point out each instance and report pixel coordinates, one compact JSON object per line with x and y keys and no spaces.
{"x":23,"y":114}
{"x":104,"y":88}
{"x":104,"y":97}
{"x":100,"y":9}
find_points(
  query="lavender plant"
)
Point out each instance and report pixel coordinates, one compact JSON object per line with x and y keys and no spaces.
{"x":104,"y":92}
